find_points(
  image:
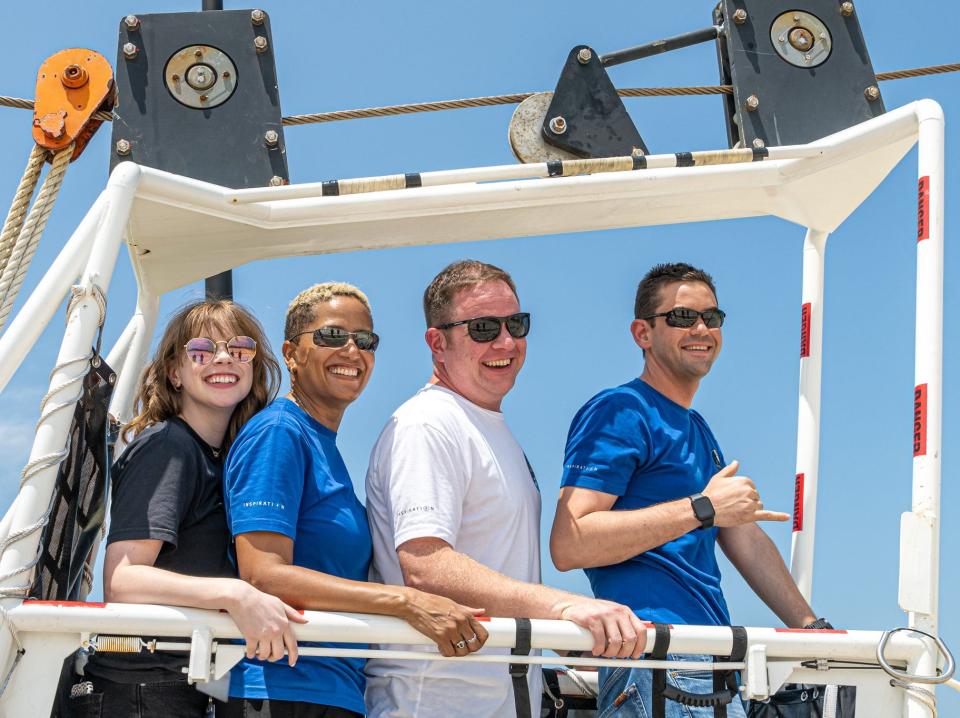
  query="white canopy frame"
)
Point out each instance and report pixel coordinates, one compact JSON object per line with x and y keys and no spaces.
{"x":161,"y":216}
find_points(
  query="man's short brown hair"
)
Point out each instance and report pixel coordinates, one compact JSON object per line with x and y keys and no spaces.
{"x":438,"y":297}
{"x":648,"y":291}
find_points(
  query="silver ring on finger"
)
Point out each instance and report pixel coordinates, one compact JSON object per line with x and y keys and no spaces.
{"x":460,"y":644}
{"x":473,"y":639}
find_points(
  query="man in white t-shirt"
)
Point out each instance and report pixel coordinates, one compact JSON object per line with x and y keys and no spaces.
{"x":454,"y":508}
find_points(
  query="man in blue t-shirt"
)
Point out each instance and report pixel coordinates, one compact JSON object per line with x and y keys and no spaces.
{"x":647,"y":494}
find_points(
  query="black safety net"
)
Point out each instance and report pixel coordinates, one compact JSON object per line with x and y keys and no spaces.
{"x":70,"y":538}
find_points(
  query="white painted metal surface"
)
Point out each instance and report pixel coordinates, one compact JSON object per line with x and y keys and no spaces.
{"x":808,"y":414}
{"x":162,"y":215}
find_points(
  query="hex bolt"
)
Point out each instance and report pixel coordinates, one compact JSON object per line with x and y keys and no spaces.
{"x":257,"y":17}
{"x":130,"y":50}
{"x":758,"y":143}
{"x":558,"y":125}
{"x":74,"y":77}
{"x":276,"y":181}
{"x":271,"y":137}
{"x":872,"y":93}
{"x":123,"y":148}
{"x":132,"y":22}
{"x":260,"y":44}
{"x":846,"y":9}
{"x":584,"y":56}
{"x":740,"y":16}
{"x":752,"y":103}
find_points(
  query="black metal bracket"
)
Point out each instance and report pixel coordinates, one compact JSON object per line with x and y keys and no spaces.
{"x":586,"y":116}
{"x":799,"y":69}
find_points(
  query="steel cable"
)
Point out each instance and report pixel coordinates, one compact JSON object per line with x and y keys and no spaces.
{"x":512,"y":99}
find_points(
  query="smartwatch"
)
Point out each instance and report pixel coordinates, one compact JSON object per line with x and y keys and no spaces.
{"x":702,"y":509}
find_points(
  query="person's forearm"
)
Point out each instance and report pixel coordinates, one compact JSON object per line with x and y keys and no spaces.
{"x":306,"y":589}
{"x":757,"y":559}
{"x":603,"y":538}
{"x":149,"y":584}
{"x":458,"y":577}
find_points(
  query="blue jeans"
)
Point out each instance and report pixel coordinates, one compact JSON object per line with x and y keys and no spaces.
{"x":627,"y":692}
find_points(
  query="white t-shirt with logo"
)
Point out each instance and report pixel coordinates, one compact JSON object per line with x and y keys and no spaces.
{"x":446,"y":468}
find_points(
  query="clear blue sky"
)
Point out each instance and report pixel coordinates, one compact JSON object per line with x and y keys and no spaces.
{"x":579,"y":287}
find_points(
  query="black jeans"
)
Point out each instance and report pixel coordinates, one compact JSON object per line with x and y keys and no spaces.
{"x":261,"y":708}
{"x":174,"y":699}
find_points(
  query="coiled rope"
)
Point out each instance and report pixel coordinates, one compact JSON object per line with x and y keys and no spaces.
{"x":14,"y":265}
{"x":512,"y":99}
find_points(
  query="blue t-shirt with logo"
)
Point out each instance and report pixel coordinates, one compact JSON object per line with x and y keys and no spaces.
{"x":284,"y":474}
{"x":633,"y":442}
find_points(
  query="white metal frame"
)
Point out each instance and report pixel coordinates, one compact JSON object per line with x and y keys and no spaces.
{"x":802,"y":184}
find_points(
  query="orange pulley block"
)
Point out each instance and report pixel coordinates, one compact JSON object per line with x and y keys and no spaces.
{"x":72,"y":86}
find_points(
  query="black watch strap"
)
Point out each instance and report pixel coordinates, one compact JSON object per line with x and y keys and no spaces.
{"x":819,"y":624}
{"x":703,"y":510}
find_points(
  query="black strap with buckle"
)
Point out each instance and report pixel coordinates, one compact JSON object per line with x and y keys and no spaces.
{"x":518,"y":671}
{"x":725,"y":687}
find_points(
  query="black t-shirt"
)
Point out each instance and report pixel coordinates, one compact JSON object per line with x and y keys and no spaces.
{"x":167,"y":485}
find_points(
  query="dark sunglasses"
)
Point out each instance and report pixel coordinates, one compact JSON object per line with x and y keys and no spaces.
{"x":202,"y":350}
{"x":686,"y":318}
{"x":486,"y":329}
{"x":336,"y":337}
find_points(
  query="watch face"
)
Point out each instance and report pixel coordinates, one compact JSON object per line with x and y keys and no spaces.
{"x":703,"y":510}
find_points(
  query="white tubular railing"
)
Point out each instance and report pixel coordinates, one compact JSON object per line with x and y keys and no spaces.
{"x":808,"y":416}
{"x":141,"y":326}
{"x":137,"y":619}
{"x":33,"y":317}
{"x":920,"y":528}
{"x":29,"y":511}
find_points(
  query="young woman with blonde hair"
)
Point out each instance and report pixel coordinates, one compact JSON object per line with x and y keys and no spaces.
{"x":168,"y":541}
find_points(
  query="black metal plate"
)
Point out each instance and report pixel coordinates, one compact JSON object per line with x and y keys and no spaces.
{"x":224,"y":144}
{"x":597,"y":122}
{"x":797,"y":105}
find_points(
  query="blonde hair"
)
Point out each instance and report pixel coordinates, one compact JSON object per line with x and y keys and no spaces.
{"x":302,"y":310}
{"x":157,"y":400}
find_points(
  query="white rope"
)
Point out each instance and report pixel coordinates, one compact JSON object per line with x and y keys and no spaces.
{"x":26,"y":244}
{"x":20,"y":204}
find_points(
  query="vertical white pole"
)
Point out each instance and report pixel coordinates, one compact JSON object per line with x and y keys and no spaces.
{"x":920,"y":528}
{"x":808,"y":418}
{"x":143,"y":322}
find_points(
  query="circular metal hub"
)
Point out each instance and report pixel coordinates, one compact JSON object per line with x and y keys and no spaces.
{"x":200,"y":76}
{"x":800,"y":38}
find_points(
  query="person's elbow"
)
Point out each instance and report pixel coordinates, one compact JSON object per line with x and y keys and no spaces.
{"x":564,"y":547}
